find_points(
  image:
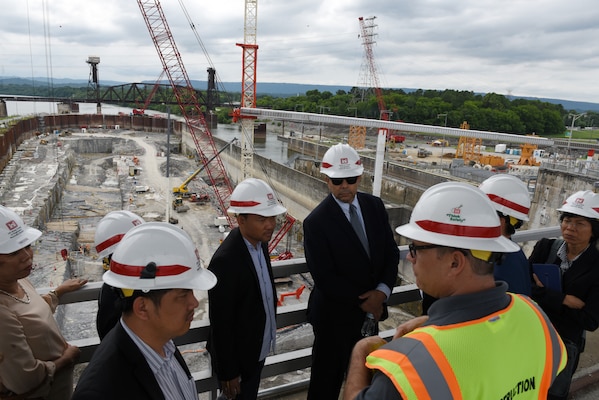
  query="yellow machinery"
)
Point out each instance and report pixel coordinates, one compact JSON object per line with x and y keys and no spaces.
{"x":469,"y":149}
{"x":527,"y":156}
{"x":178,"y":205}
{"x":182,"y":190}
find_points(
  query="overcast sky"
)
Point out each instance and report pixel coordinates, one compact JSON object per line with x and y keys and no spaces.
{"x":539,"y":48}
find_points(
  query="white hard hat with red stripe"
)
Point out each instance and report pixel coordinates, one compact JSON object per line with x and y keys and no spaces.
{"x":457,"y":215}
{"x":254,"y":196}
{"x":111,"y":229}
{"x":14,"y":234}
{"x":157,"y":255}
{"x":583,"y":203}
{"x":508,"y":194}
{"x":341,"y":161}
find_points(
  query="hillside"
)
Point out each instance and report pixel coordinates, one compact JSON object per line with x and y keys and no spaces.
{"x":274,"y":89}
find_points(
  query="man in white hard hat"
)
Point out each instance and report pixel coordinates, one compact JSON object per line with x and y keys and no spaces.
{"x":478,"y":341}
{"x":511,"y":200}
{"x":242,"y":304}
{"x":354,"y":267}
{"x":156,"y":267}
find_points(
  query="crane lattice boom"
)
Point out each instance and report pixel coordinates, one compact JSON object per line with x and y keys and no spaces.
{"x":172,"y":65}
{"x":367,"y":34}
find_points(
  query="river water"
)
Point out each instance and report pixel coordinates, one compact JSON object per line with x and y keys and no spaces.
{"x":272,"y":148}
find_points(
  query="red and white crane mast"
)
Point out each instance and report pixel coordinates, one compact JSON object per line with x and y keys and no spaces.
{"x":248,"y":85}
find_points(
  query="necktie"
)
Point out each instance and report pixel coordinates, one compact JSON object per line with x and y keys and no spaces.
{"x":357,"y":225}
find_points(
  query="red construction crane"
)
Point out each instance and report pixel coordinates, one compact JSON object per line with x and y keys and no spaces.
{"x":367,"y":35}
{"x":142,"y":110}
{"x":172,"y":65}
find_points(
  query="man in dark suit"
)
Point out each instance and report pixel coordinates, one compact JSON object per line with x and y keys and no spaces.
{"x":354,"y":271}
{"x":156,"y":268}
{"x":242,"y":306}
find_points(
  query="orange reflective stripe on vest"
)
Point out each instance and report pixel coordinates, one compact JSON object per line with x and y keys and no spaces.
{"x":512,"y":352}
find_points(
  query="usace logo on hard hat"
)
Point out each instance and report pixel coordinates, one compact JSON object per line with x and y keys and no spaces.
{"x":14,"y":230}
{"x":455,"y":214}
{"x":270,"y":199}
{"x":344,"y":160}
{"x":12,"y":225}
{"x":578,"y":203}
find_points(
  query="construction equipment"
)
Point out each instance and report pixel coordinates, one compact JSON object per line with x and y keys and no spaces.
{"x":469,"y":149}
{"x":199,"y":198}
{"x":527,"y":156}
{"x":182,"y":189}
{"x":187,"y":99}
{"x":179,"y":206}
{"x":423,"y":153}
{"x":186,"y":96}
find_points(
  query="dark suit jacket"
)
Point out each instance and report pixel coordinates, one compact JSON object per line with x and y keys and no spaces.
{"x":237,"y":316}
{"x":118,"y":370}
{"x":580,"y":280}
{"x":339,"y":264}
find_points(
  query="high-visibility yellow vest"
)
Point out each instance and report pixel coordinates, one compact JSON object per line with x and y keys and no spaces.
{"x":514,"y":353}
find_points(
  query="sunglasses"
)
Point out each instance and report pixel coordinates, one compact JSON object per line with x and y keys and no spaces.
{"x":339,"y":181}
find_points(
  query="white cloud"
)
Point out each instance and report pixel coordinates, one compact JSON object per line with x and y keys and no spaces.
{"x":537,"y":48}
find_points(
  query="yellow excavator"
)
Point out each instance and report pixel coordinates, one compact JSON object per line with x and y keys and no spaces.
{"x":182,"y":190}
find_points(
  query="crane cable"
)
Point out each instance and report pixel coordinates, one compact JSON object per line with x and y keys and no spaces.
{"x":201,"y":43}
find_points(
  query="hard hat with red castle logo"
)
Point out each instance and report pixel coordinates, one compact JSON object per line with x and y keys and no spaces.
{"x":111,"y":229}
{"x":254,"y":196}
{"x":583,"y":203}
{"x":457,"y":215}
{"x":157,"y":255}
{"x":14,"y":234}
{"x":341,"y":161}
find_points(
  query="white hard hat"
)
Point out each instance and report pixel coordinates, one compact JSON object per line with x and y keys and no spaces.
{"x":341,"y":161}
{"x":14,"y":234}
{"x":457,"y":215}
{"x":582,"y":203}
{"x":111,"y":229}
{"x":508,"y":194}
{"x":254,"y":196}
{"x":157,"y":255}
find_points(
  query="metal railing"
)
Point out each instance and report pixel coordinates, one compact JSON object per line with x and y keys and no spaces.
{"x":287,"y":315}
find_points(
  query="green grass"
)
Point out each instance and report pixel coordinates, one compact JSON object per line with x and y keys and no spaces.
{"x":584,"y":134}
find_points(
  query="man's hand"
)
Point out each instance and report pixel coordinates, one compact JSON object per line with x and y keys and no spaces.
{"x":373,"y":303}
{"x":231,"y":388}
{"x":358,"y":375}
{"x":409,"y":326}
{"x":573,"y":302}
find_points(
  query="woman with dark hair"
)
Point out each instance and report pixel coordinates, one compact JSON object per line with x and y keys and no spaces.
{"x":575,"y":308}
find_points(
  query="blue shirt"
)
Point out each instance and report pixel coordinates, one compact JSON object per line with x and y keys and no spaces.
{"x":270,"y":328}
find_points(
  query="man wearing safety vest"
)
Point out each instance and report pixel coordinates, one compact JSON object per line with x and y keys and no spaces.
{"x":478,"y":341}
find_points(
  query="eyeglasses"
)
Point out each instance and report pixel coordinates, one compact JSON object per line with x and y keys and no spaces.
{"x":413,"y":248}
{"x":339,"y":181}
